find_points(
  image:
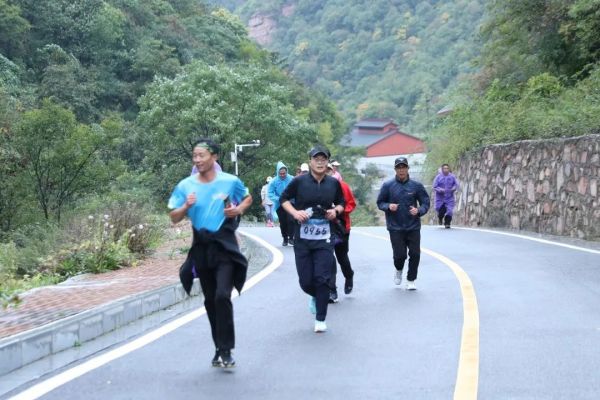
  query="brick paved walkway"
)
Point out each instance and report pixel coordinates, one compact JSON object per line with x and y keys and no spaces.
{"x":47,"y":304}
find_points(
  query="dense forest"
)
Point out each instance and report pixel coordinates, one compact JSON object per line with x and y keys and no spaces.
{"x":384,"y":58}
{"x":506,"y":69}
{"x":100,"y":102}
{"x":538,"y":77}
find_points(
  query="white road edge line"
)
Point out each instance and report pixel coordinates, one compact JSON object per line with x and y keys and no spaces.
{"x":545,"y":241}
{"x":52,"y":383}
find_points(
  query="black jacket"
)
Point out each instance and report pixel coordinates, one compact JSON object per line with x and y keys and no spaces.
{"x":211,"y":246}
{"x":307,"y":192}
{"x":405,"y":194}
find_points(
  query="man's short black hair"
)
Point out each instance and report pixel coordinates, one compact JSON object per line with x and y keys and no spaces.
{"x":208,"y":144}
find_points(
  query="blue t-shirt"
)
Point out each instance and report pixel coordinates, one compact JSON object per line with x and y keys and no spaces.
{"x":208,"y":211}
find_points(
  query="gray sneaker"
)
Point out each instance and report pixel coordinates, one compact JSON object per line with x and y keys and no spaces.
{"x":398,"y":277}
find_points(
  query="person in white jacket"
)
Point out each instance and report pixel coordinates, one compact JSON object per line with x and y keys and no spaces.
{"x":267,"y":203}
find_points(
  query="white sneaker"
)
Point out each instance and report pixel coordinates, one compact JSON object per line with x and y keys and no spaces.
{"x":410,"y":285}
{"x":398,"y":277}
{"x":320,"y":326}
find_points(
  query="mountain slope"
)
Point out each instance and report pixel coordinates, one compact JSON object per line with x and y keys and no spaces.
{"x":381,"y":59}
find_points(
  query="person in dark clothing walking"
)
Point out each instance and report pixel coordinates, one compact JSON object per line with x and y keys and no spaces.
{"x":342,"y":242}
{"x":276,"y":188}
{"x":318,"y":200}
{"x":404,"y":202}
{"x":212,"y":201}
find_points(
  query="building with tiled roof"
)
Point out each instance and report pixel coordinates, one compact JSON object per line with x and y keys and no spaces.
{"x":384,"y":142}
{"x":381,"y":137}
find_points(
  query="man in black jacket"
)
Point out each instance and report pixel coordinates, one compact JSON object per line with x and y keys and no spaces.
{"x":318,"y":200}
{"x":404,"y":202}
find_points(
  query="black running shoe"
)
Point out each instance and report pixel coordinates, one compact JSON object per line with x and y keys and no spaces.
{"x":216,"y":361}
{"x":333,"y":297}
{"x":226,"y":359}
{"x":285,"y":242}
{"x":348,"y":285}
{"x":291,"y":242}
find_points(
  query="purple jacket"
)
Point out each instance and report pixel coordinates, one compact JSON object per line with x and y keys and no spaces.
{"x":444,"y":187}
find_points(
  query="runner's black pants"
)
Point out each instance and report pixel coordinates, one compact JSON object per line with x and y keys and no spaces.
{"x":401,"y":241}
{"x":341,"y":254}
{"x":216,"y":280}
{"x":286,"y":224}
{"x":314,"y":273}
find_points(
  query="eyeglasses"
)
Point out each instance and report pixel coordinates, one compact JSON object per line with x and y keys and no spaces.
{"x":320,"y":160}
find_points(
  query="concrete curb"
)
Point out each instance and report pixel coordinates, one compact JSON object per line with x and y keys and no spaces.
{"x":24,"y":348}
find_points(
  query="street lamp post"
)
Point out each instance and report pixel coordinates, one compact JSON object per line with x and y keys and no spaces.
{"x":239,"y":148}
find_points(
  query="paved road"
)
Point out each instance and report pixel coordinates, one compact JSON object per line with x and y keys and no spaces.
{"x":538,"y":324}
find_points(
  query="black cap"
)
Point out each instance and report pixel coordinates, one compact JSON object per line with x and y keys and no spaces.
{"x":319,"y":150}
{"x":400,"y":160}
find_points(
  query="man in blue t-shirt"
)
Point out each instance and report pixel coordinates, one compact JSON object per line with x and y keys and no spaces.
{"x":212,"y":201}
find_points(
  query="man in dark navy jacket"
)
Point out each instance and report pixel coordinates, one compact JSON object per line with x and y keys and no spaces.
{"x":404,"y":202}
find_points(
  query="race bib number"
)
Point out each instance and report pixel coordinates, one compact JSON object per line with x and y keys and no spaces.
{"x":315,"y":229}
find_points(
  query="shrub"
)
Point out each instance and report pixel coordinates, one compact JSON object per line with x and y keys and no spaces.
{"x":89,"y":256}
{"x":33,"y":242}
{"x":144,"y":237}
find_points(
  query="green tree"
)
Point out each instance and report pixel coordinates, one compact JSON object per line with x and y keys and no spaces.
{"x":12,"y":195}
{"x":228,"y":104}
{"x":13,"y":28}
{"x":66,"y":82}
{"x":582,"y":31}
{"x":60,"y":157}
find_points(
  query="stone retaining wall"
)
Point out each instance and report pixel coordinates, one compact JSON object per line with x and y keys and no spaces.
{"x":546,"y":186}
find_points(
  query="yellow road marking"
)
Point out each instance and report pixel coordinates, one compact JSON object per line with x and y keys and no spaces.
{"x":467,"y":377}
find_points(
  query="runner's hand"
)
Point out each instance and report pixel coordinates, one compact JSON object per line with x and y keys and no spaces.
{"x":232,"y":211}
{"x":331,"y":214}
{"x":301,"y":216}
{"x":190,"y":200}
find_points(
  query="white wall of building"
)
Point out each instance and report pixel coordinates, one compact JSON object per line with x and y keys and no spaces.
{"x":385,"y":164}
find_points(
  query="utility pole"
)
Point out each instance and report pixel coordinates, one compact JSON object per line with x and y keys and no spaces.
{"x":238,"y":148}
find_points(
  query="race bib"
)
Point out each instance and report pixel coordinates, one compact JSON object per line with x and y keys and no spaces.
{"x":315,"y":229}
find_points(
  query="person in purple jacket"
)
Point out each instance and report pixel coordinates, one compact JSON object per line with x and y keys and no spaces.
{"x":444,"y":186}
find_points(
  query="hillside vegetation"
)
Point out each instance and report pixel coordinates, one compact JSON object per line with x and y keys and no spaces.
{"x":539,"y":77}
{"x":508,"y":69}
{"x":377,"y":59}
{"x":100,"y":102}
